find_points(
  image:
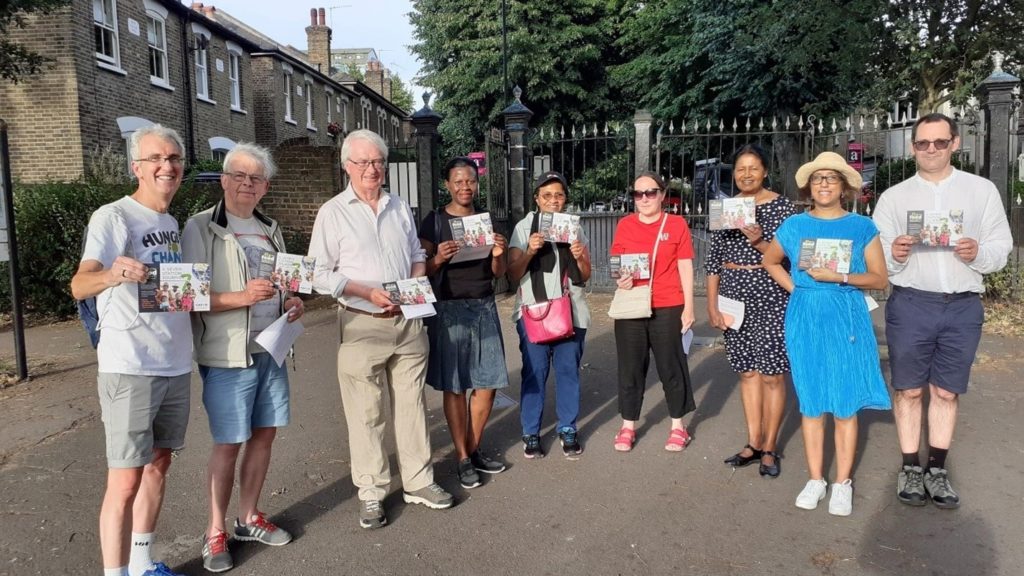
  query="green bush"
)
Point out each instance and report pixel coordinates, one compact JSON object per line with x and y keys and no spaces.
{"x":50,"y":219}
{"x":1006,"y":285}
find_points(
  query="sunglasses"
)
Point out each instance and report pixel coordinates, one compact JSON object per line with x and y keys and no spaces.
{"x":940,"y":144}
{"x":652,"y":193}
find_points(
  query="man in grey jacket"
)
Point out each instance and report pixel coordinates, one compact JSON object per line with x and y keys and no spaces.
{"x":245,"y":392}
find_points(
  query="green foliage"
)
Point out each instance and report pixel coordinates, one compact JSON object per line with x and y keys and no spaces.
{"x":16,"y":61}
{"x":1007,"y":284}
{"x":50,"y":219}
{"x":603,"y":182}
{"x":401,"y":96}
{"x":557,"y":53}
{"x":892,"y":172}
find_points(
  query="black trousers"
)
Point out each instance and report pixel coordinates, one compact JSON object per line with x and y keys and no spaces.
{"x":634,"y":342}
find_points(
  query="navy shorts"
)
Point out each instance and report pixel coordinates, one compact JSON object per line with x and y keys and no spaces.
{"x":933,"y":338}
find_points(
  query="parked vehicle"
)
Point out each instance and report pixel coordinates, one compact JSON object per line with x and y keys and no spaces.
{"x":712,"y":180}
{"x":598,"y":207}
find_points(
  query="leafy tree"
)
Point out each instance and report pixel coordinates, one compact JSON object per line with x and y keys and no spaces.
{"x":556,"y":54}
{"x":940,"y":50}
{"x":400,"y":95}
{"x":16,"y":61}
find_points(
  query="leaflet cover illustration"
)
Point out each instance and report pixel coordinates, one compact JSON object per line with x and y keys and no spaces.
{"x":176,"y":288}
{"x":558,"y":227}
{"x":414,"y":295}
{"x":832,"y":253}
{"x":288,"y":272}
{"x":936,"y":227}
{"x":475,"y":236}
{"x":636,"y":265}
{"x":730,"y":213}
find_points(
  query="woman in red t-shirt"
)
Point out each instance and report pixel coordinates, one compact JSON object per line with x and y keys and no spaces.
{"x":672,"y":304}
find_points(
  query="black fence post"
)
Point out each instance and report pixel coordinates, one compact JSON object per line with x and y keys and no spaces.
{"x":996,"y":95}
{"x":7,"y":202}
{"x":424,"y":123}
{"x":642,"y":122}
{"x":517,"y":121}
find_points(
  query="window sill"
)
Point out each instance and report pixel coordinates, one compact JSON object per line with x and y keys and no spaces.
{"x":290,"y":121}
{"x":111,"y":68}
{"x":205,"y":99}
{"x":160,"y":84}
{"x":311,"y":128}
{"x":238,"y":110}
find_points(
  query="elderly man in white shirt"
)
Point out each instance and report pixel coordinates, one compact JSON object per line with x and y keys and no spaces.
{"x":362,"y":238}
{"x":933,"y":318}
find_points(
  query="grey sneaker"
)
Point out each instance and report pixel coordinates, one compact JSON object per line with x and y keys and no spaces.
{"x":467,"y":474}
{"x":910,"y":486}
{"x":486,"y":465}
{"x":259,"y":529}
{"x":936,"y":482}
{"x":216,"y":557}
{"x":812,"y":493}
{"x":371,"y":514}
{"x":432,"y":496}
{"x":841,"y":503}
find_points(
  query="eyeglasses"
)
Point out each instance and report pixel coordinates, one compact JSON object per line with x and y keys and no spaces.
{"x":159,"y":160}
{"x":240,"y":177}
{"x":652,"y":193}
{"x":364,"y":164}
{"x":830,"y":178}
{"x":940,"y":144}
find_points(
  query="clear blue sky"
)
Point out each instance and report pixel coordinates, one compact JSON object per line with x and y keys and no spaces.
{"x":381,"y":24}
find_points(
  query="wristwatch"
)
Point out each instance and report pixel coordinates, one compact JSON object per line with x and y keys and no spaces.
{"x":846,"y":280}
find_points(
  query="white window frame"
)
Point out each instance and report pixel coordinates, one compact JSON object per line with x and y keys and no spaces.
{"x":310,"y":108}
{"x":201,"y":64}
{"x":235,"y":75}
{"x":288,"y":72}
{"x":127,"y":125}
{"x":156,"y":25}
{"x":220,"y":144}
{"x":343,"y":110}
{"x":329,"y":103}
{"x":105,"y":25}
{"x":366,"y":106}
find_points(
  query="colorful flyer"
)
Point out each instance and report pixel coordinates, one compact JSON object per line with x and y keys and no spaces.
{"x":730,"y":213}
{"x":941,"y":228}
{"x":831,"y":253}
{"x":559,"y":227}
{"x":176,"y":288}
{"x":636,"y":265}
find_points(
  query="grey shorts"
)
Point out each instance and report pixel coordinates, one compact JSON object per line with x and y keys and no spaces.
{"x":141,"y":413}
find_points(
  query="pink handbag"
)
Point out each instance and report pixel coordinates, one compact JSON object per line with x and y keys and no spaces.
{"x":549,"y":321}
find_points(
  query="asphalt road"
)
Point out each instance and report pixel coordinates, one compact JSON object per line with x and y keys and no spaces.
{"x":643,"y":512}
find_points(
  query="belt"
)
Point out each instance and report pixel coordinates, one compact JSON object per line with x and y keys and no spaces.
{"x":731,"y":266}
{"x":391,"y":314}
{"x":938,"y":296}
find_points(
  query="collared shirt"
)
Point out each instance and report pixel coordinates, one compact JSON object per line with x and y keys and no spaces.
{"x":938,"y":269}
{"x":350,"y":242}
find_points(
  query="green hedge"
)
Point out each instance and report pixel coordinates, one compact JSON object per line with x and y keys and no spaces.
{"x":50,"y":219}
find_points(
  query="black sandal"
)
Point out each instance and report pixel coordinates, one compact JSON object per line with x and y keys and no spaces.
{"x":772,"y":470}
{"x":738,"y":460}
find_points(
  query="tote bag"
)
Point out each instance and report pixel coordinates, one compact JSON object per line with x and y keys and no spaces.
{"x":636,"y":302}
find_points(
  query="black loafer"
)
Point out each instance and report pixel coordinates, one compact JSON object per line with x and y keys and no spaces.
{"x":738,"y":460}
{"x":770,"y":470}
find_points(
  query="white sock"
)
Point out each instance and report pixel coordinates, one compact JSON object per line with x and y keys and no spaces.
{"x":141,"y":558}
{"x":122,"y":571}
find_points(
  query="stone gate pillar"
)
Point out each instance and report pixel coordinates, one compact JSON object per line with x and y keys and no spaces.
{"x":428,"y":168}
{"x":642,"y":122}
{"x":517,"y":121}
{"x":996,"y":96}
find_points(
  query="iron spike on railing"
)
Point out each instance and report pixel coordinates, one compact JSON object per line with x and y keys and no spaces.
{"x":821,"y":125}
{"x":775,"y":123}
{"x":734,"y":125}
{"x":671,"y":127}
{"x":721,"y":125}
{"x":561,"y":132}
{"x":760,"y":124}
{"x":800,"y":124}
{"x":696,"y":125}
{"x":861,"y":122}
{"x":849,"y":123}
{"x":835,"y":128}
{"x":748,"y":123}
{"x":682,"y":127}
{"x":595,"y":128}
{"x":708,"y":124}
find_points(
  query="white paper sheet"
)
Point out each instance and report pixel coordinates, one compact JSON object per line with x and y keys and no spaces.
{"x":412,"y":311}
{"x":871,"y":302}
{"x":279,"y":337}
{"x":687,"y":340}
{"x":732,"y":310}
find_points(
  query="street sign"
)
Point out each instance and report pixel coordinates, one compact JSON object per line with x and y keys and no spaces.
{"x":481,"y":162}
{"x":855,"y":156}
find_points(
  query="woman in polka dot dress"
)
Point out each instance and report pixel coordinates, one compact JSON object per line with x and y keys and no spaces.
{"x":757,"y":351}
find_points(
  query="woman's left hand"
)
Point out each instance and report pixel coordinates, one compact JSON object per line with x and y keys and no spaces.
{"x":294,"y":307}
{"x":824,"y":275}
{"x":753,"y":232}
{"x":625,"y":281}
{"x":577,"y":249}
{"x":687,"y":318}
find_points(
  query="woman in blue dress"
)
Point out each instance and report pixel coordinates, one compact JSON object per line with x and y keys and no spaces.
{"x":829,"y":336}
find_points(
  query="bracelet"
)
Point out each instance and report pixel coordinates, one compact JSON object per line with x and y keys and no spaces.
{"x":846,"y":280}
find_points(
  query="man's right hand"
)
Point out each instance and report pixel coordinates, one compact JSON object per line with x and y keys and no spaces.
{"x":382,"y":298}
{"x":901,"y":248}
{"x":125,"y":269}
{"x":258,"y":290}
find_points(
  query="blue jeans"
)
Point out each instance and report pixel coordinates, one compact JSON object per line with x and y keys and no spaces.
{"x":537,"y":361}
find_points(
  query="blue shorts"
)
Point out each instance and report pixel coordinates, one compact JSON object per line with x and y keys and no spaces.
{"x":240,"y":399}
{"x":933,"y":338}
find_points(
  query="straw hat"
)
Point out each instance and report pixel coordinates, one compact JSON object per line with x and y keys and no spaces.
{"x":829,"y":161}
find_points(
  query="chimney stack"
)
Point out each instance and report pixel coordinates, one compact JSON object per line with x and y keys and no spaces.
{"x":374,"y":76}
{"x":318,"y":41}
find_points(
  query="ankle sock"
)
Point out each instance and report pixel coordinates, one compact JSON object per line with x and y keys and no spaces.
{"x":937,"y":457}
{"x":911,"y":459}
{"x":141,"y":558}
{"x":122,"y":571}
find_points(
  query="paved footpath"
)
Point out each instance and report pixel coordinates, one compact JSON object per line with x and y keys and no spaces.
{"x":644,"y":512}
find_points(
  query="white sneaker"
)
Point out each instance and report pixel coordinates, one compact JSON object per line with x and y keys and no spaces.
{"x":812,"y":493}
{"x":841,"y":503}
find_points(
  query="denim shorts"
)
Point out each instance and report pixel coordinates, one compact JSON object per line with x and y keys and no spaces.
{"x":466,"y":347}
{"x":141,"y":413}
{"x":240,"y":399}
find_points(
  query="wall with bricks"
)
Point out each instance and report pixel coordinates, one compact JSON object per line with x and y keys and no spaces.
{"x":307,"y":177}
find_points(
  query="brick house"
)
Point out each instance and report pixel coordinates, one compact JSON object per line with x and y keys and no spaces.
{"x":137,"y":62}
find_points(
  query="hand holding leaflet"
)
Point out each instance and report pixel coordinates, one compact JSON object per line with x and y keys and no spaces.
{"x":732,"y":311}
{"x":278,"y":338}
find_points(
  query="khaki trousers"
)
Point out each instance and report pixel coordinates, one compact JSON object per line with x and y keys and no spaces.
{"x":384,"y":360}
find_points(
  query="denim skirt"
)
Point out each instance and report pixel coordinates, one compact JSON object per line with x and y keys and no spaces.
{"x":466,"y":346}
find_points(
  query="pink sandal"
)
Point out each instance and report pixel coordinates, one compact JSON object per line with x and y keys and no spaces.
{"x":625,"y":439}
{"x":678,"y":439}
